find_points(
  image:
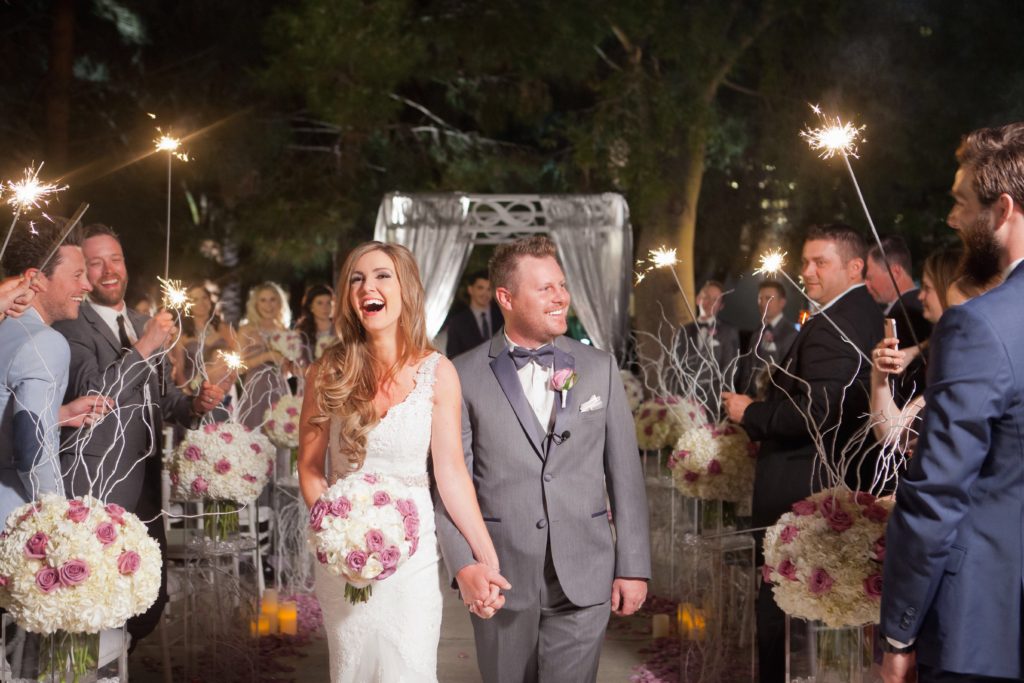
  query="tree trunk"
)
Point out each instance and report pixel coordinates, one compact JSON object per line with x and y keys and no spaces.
{"x":58,"y":90}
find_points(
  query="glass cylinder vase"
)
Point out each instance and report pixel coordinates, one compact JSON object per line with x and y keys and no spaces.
{"x":220,"y":520}
{"x":63,"y":657}
{"x":816,"y":653}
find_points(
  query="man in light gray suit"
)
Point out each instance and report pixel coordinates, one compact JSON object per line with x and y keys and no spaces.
{"x":34,"y":365}
{"x":113,"y":350}
{"x":551,"y":464}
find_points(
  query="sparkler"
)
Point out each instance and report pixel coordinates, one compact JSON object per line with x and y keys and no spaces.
{"x":28,"y":193}
{"x":836,"y":138}
{"x":232,"y":361}
{"x":75,"y":219}
{"x":771,"y":263}
{"x":171,"y":145}
{"x":656,"y":258}
{"x":175,"y":296}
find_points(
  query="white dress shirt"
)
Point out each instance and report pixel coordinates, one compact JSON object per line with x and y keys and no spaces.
{"x":536,"y":381}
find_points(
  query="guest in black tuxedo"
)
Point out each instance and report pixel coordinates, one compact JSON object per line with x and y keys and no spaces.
{"x":708,"y":340}
{"x":476,"y":324}
{"x":773,"y":340}
{"x":833,"y":274}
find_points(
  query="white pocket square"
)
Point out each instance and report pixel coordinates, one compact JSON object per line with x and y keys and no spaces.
{"x":591,"y":404}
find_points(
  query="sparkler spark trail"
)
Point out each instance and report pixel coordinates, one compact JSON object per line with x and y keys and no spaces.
{"x":661,"y":257}
{"x":175,"y":297}
{"x":771,"y":262}
{"x":28,"y":193}
{"x":232,"y":361}
{"x":833,"y":137}
{"x":170,"y":144}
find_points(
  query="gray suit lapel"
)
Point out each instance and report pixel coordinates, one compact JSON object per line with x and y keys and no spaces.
{"x":101,"y":327}
{"x":504,"y":369}
{"x":563,"y":360}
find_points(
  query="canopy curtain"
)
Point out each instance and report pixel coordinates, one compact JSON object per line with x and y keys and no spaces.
{"x":431,"y":227}
{"x":595,"y":247}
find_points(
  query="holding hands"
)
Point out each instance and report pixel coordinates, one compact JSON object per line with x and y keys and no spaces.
{"x":479,"y":585}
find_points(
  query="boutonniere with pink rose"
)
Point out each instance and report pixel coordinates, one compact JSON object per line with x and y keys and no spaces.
{"x":563,"y":380}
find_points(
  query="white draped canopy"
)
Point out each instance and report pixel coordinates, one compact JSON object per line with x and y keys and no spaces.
{"x":592,"y":234}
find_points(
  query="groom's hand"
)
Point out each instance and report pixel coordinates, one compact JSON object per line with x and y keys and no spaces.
{"x":479,"y":586}
{"x":628,"y":595}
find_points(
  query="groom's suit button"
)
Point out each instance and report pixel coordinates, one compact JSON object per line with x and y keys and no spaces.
{"x":548,"y":477}
{"x":542,"y":523}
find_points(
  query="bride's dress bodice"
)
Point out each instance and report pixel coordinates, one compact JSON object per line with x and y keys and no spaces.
{"x":398,"y":445}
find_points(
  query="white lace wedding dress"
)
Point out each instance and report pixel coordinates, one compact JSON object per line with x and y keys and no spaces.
{"x":391,"y":638}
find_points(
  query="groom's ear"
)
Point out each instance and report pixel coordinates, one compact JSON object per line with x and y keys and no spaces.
{"x":504,"y":298}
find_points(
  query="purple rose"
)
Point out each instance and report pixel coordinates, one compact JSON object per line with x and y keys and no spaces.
{"x":649,"y":430}
{"x":787,"y":569}
{"x":47,"y":579}
{"x":820,"y":582}
{"x":384,"y":574}
{"x":879,"y":549}
{"x":691,"y":477}
{"x":766,"y":573}
{"x":406,"y":507}
{"x":249,"y":478}
{"x":289,"y":427}
{"x":193,"y":453}
{"x":390,"y":556}
{"x":107,"y":533}
{"x":873,"y":586}
{"x":35,"y":547}
{"x":789,"y":533}
{"x":714,"y":467}
{"x":864,"y":498}
{"x":356,"y":560}
{"x":128,"y":563}
{"x":255,"y":448}
{"x":341,"y":507}
{"x":321,"y":557}
{"x":645,"y":413}
{"x":293,"y":411}
{"x":4,"y":580}
{"x":876,"y":513}
{"x":73,"y":572}
{"x":370,"y":478}
{"x":374,"y":540}
{"x":226,"y":437}
{"x":381,"y":498}
{"x":115,"y":511}
{"x":77,"y":513}
{"x":222,"y":466}
{"x":662,"y":413}
{"x":839,"y":520}
{"x":271,"y":424}
{"x":316,"y":515}
{"x":803,"y":508}
{"x":210,"y":428}
{"x":200,"y":485}
{"x":412,"y":527}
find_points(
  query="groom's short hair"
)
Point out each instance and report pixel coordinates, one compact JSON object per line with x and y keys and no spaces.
{"x":502,"y":265}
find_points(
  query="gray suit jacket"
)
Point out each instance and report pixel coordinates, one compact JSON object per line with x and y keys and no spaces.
{"x":112,"y":451}
{"x":532,"y":487}
{"x":33,"y":376}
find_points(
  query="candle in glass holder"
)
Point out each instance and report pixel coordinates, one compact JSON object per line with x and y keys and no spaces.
{"x":690,"y":620}
{"x":659,"y":626}
{"x":288,"y":618}
{"x":260,"y":626}
{"x":269,"y":609}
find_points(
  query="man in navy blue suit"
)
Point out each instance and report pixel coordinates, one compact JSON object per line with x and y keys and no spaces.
{"x":952,"y":596}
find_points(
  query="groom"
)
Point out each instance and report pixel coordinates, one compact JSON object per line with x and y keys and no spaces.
{"x":550,"y":468}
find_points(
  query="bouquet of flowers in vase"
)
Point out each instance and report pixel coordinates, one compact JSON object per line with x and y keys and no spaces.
{"x":662,"y":420}
{"x":825,"y":557}
{"x":76,"y":565}
{"x":288,"y":343}
{"x":634,"y":390}
{"x":714,"y":463}
{"x":281,"y":421}
{"x":363,"y":529}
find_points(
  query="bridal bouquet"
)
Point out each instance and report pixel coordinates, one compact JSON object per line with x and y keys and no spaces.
{"x":281,"y":421}
{"x":363,"y":529}
{"x":322,"y":344}
{"x":288,"y":343}
{"x":634,"y":390}
{"x":825,"y":557}
{"x":662,"y":420}
{"x":76,"y":565}
{"x":714,"y":463}
{"x":222,"y":461}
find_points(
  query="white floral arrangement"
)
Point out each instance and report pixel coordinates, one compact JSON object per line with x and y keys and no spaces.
{"x":363,"y":529}
{"x":221,"y":461}
{"x":634,"y":390}
{"x":825,"y":557}
{"x":323,"y":343}
{"x":663,"y":419}
{"x":281,"y":421}
{"x":714,"y":463}
{"x":76,"y":565}
{"x":288,"y":343}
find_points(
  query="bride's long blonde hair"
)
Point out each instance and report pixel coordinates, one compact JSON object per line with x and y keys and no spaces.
{"x":348,"y":377}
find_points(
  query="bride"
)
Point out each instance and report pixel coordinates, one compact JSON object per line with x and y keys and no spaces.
{"x":381,"y":400}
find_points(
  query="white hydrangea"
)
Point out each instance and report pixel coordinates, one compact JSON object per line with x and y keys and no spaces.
{"x":281,"y":421}
{"x":221,"y":461}
{"x":714,"y":463}
{"x":323,"y":343}
{"x":288,"y":343}
{"x":76,"y":565}
{"x":365,"y":527}
{"x":662,"y":420}
{"x":634,"y":390}
{"x":825,"y":557}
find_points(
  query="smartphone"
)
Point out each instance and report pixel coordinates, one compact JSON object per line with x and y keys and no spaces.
{"x":890,"y":328}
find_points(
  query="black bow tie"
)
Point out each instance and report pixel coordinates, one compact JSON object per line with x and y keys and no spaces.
{"x":544,"y":356}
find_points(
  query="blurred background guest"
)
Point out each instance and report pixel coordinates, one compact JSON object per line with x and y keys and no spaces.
{"x":479,"y":321}
{"x":203,"y":333}
{"x":266,"y":315}
{"x":316,"y":322}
